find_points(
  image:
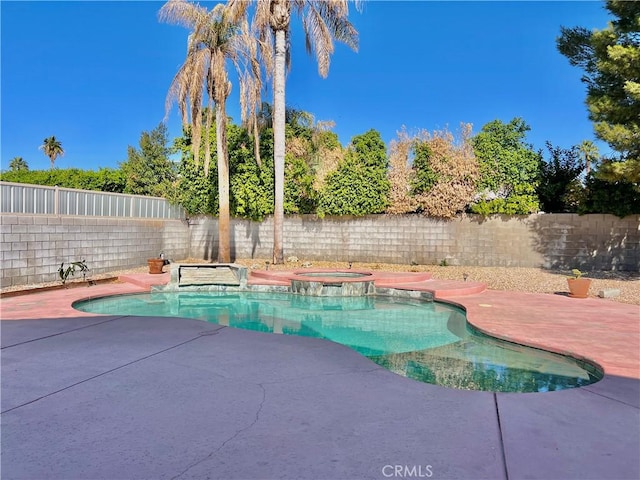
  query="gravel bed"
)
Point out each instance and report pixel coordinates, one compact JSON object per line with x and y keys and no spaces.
{"x":534,"y":280}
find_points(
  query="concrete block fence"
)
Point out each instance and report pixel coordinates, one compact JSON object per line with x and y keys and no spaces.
{"x":559,"y":241}
{"x":33,"y":246}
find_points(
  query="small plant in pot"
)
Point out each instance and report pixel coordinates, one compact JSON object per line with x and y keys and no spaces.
{"x":578,"y":286}
{"x":156,"y":264}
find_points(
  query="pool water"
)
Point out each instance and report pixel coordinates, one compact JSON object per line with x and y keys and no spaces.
{"x":426,"y":341}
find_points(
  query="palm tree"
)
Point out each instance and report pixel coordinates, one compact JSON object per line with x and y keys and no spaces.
{"x":17,"y":164}
{"x":322,"y":21}
{"x":214,"y":40}
{"x":52,"y":148}
{"x":589,"y":154}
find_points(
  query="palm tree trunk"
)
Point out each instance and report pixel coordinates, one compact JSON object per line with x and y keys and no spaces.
{"x":256,"y":144}
{"x":196,"y":131}
{"x":207,"y":140}
{"x":279,"y":145}
{"x":224,"y":220}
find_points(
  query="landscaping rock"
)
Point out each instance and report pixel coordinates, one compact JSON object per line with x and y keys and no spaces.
{"x":609,"y":293}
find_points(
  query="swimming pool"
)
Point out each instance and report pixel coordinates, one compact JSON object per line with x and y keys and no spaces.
{"x":426,"y":341}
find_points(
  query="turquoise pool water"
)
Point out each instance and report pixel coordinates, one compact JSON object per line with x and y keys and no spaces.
{"x":426,"y":341}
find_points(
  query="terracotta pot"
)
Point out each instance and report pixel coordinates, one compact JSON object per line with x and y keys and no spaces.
{"x":155,"y":265}
{"x":579,"y":287}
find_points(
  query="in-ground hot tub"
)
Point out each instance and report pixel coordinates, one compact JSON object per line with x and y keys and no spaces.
{"x":339,"y":282}
{"x":334,"y":283}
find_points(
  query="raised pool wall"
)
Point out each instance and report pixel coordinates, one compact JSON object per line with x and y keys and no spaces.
{"x":33,"y":246}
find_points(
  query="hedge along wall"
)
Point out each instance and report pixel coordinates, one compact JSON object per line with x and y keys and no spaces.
{"x":556,"y":241}
{"x":34,"y":246}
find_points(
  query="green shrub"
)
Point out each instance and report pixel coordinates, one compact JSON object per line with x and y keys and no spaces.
{"x":617,"y":198}
{"x":360,"y":185}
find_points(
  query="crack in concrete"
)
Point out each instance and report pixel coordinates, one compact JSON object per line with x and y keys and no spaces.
{"x":231,"y":438}
{"x":502,"y":452}
{"x":611,"y":398}
{"x":208,"y":333}
{"x":65,"y":332}
{"x":101,"y":374}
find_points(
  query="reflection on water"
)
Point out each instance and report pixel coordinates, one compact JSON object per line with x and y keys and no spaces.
{"x":427,"y":341}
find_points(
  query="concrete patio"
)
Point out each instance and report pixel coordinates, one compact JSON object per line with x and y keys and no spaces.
{"x":130,"y":397}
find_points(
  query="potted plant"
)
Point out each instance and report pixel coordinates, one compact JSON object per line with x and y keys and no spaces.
{"x":578,"y":286}
{"x":155,"y":265}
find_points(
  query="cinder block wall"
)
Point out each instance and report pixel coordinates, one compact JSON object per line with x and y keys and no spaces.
{"x":34,"y":246}
{"x":562,"y":241}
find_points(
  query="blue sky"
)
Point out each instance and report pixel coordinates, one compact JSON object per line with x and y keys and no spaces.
{"x":95,"y":74}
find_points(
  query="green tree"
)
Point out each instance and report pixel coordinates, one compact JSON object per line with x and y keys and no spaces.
{"x":619,"y":198}
{"x":299,"y":195}
{"x":149,"y":171}
{"x":360,"y":185}
{"x":322,"y":22}
{"x":214,"y":40}
{"x":251,"y":183}
{"x":52,"y":148}
{"x":508,"y":169}
{"x":559,"y":179}
{"x":610,"y":59}
{"x":18,"y":164}
{"x":195,"y":192}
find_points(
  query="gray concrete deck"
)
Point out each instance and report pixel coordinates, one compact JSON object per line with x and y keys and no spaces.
{"x":166,"y":398}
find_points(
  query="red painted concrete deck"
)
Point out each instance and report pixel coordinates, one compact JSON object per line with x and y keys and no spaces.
{"x":599,"y":330}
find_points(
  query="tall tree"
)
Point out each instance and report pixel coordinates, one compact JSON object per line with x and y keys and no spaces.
{"x":149,"y":171}
{"x":558,"y":179}
{"x":359,"y":186}
{"x":214,"y":40}
{"x":17,"y":164}
{"x":322,"y":21}
{"x":52,"y":148}
{"x":610,"y":59}
{"x":508,"y":169}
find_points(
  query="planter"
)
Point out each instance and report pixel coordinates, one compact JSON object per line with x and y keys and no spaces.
{"x":579,"y":287}
{"x":155,"y":265}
